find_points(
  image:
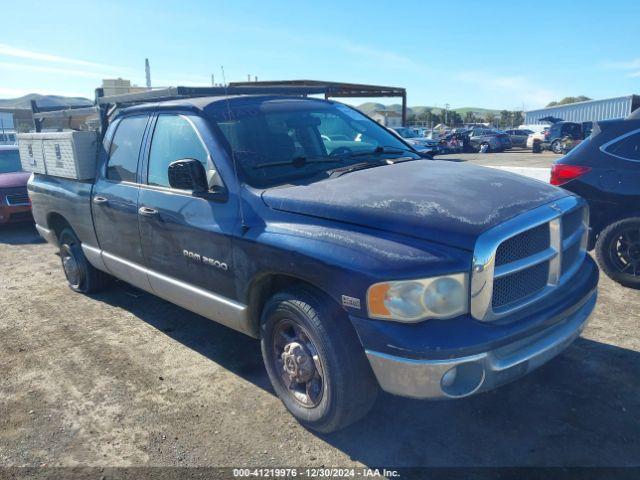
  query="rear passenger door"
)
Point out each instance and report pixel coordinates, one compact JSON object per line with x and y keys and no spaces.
{"x":115,"y":203}
{"x":186,"y":240}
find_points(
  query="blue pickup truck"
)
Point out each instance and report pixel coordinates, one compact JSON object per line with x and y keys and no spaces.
{"x":358,"y":263}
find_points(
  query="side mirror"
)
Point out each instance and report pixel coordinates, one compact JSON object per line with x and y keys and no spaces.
{"x":188,"y":174}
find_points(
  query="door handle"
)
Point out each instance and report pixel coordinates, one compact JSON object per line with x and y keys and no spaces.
{"x":98,"y":200}
{"x":147,"y":212}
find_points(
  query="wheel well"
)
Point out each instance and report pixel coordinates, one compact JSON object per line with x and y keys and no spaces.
{"x":263,"y":288}
{"x":597,"y":228}
{"x":57,"y":223}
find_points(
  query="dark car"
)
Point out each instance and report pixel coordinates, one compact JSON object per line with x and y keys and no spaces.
{"x":562,"y":135}
{"x":605,"y":170}
{"x":482,"y":139}
{"x":14,"y":200}
{"x":518,"y":136}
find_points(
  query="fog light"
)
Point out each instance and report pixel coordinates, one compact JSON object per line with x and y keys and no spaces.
{"x":463,"y":379}
{"x":449,"y":377}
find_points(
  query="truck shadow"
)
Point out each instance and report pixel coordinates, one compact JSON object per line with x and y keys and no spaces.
{"x":19,"y":234}
{"x":581,"y":409}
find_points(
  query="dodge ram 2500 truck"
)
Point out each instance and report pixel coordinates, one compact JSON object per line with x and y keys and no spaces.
{"x":357,"y":263}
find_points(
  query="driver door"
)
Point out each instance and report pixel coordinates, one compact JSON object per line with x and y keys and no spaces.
{"x":186,"y":240}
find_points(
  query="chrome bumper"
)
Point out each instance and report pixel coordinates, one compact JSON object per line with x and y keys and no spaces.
{"x":464,"y":376}
{"x":48,"y":235}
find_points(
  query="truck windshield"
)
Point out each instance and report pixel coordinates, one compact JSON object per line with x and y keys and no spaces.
{"x":10,"y":161}
{"x":286,"y":141}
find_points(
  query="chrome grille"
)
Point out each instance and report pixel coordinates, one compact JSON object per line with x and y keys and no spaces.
{"x":522,"y":260}
{"x":523,"y":245}
{"x":519,"y":285}
{"x":19,"y":199}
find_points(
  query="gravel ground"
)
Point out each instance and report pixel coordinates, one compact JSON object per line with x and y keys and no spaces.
{"x":123,"y":378}
{"x":516,"y":157}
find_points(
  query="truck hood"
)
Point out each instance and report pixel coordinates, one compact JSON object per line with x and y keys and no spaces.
{"x":14,"y":179}
{"x":444,"y":202}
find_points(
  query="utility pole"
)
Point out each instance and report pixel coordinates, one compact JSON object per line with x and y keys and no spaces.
{"x":147,"y":70}
{"x":213,"y":80}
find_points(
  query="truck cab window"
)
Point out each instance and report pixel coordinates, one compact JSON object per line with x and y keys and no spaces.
{"x":125,"y":149}
{"x":174,"y":138}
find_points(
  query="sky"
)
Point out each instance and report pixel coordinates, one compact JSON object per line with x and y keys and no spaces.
{"x":491,"y":54}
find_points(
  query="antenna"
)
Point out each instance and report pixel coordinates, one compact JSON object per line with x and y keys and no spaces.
{"x":233,"y":155}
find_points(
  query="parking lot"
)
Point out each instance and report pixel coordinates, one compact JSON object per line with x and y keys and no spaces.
{"x":124,"y":378}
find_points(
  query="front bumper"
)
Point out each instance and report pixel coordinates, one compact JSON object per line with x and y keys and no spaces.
{"x":15,"y":213}
{"x":464,"y":376}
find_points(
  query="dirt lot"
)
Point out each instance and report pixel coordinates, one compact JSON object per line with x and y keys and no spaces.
{"x":124,"y":378}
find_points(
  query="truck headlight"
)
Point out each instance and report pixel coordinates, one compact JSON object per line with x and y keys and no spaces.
{"x":415,"y":300}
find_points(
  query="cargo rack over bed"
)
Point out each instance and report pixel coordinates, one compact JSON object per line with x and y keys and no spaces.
{"x":105,"y":106}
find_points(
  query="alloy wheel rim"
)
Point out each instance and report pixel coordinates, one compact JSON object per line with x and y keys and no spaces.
{"x":297,"y":363}
{"x":625,"y":252}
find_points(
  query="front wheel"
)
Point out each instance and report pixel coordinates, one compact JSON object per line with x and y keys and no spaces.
{"x":314,"y":360}
{"x":81,"y":275}
{"x":618,"y":252}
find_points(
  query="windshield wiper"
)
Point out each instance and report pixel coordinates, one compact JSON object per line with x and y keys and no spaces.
{"x":298,"y":162}
{"x":337,"y":172}
{"x":381,"y":150}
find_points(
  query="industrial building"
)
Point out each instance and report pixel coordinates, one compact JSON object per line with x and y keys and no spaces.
{"x":589,"y":111}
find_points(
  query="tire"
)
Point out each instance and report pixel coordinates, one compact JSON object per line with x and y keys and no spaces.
{"x":81,"y":276}
{"x":334,"y":389}
{"x":556,"y":147}
{"x":484,"y":148}
{"x":537,"y":147}
{"x":618,"y":251}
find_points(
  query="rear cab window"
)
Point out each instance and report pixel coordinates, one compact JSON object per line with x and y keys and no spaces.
{"x":124,"y":151}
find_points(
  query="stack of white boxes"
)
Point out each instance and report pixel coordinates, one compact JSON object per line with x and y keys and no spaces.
{"x":68,"y":154}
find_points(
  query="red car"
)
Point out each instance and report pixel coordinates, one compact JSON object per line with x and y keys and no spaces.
{"x":14,"y":201}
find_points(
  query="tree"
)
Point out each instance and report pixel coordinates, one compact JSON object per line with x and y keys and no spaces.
{"x":569,"y":100}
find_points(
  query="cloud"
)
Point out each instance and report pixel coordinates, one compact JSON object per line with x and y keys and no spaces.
{"x":11,"y":51}
{"x":518,"y":86}
{"x":388,"y":58}
{"x":55,"y":70}
{"x":19,"y":92}
{"x":632,"y":64}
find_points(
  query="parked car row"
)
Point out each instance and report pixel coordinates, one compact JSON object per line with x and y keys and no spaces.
{"x":475,"y":139}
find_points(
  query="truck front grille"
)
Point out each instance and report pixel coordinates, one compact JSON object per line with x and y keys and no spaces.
{"x":523,"y":264}
{"x":18,"y":199}
{"x":520,"y":285}
{"x":523,"y":245}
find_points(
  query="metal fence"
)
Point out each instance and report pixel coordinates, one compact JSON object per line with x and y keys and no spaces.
{"x":592,"y":110}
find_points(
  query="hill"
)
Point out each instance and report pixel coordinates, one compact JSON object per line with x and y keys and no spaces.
{"x":369,"y":107}
{"x":44,"y":101}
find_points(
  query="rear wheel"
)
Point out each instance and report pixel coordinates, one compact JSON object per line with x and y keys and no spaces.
{"x":537,"y":147}
{"x":314,"y":360}
{"x":484,"y":148}
{"x":557,"y":147}
{"x":81,"y":275}
{"x":618,"y":251}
